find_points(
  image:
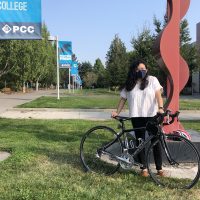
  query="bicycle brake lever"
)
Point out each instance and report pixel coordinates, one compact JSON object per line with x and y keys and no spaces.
{"x":168,"y":119}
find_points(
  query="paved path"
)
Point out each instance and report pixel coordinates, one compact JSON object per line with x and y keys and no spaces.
{"x":90,"y":114}
{"x":8,"y":101}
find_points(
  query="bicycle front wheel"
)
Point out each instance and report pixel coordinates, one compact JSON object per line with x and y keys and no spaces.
{"x":184,"y":170}
{"x":93,"y":155}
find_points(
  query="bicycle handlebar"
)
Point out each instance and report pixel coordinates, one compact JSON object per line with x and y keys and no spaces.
{"x":161,"y":116}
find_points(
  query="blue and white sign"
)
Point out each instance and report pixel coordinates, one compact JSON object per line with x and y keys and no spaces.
{"x":74,"y":68}
{"x":20,"y":19}
{"x":78,"y":80}
{"x":65,"y":54}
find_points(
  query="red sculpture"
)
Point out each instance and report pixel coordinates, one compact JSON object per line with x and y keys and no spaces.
{"x":167,"y":50}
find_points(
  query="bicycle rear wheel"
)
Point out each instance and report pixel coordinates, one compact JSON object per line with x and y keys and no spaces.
{"x":184,"y":172}
{"x":93,"y":157}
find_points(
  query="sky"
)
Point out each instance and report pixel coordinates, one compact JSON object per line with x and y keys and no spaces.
{"x":92,"y":24}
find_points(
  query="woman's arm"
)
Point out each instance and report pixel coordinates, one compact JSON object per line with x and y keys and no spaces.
{"x":120,"y":106}
{"x":159,"y":100}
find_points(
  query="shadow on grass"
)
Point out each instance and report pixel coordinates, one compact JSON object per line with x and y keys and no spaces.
{"x":57,"y":140}
{"x":69,"y":157}
{"x":42,"y":132}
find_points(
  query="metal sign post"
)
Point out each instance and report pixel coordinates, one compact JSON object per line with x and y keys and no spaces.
{"x":58,"y":75}
{"x":55,"y":38}
{"x":69,"y":85}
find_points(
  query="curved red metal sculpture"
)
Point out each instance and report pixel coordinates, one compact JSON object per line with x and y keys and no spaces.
{"x":167,"y":51}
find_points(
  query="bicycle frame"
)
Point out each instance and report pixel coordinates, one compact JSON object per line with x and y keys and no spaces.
{"x":139,"y":148}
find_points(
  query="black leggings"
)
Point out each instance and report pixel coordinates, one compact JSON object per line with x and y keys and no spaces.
{"x":138,"y":122}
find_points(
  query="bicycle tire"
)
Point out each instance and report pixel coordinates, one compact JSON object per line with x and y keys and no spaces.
{"x":93,"y":140}
{"x":183,"y":175}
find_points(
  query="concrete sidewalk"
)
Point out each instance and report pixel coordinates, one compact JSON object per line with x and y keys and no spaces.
{"x":8,"y":101}
{"x":88,"y":114}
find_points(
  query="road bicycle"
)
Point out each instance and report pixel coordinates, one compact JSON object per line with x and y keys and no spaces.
{"x":103,"y":150}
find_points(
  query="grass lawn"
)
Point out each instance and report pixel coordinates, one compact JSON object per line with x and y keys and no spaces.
{"x":45,"y":165}
{"x":97,"y":99}
{"x":83,"y":99}
{"x":83,"y":102}
{"x":192,"y":104}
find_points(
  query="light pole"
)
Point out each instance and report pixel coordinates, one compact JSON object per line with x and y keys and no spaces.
{"x":69,"y":86}
{"x":55,"y":38}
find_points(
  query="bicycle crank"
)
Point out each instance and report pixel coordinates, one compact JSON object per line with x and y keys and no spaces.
{"x":126,"y":161}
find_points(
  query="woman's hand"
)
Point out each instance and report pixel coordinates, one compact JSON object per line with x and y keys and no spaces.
{"x":119,"y":107}
{"x":114,"y":114}
{"x":160,"y":110}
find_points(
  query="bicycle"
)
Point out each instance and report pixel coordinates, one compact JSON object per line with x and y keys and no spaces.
{"x":102,"y":150}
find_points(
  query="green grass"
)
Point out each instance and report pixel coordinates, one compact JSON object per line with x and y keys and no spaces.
{"x":45,"y":165}
{"x":85,"y":99}
{"x":193,"y":125}
{"x":91,"y":99}
{"x":85,"y":102}
{"x":192,"y":104}
{"x":86,"y":92}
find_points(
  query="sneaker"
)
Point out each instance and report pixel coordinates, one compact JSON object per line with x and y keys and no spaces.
{"x":144,"y":173}
{"x":161,"y":173}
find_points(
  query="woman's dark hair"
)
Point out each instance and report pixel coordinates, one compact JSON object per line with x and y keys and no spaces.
{"x":132,"y":78}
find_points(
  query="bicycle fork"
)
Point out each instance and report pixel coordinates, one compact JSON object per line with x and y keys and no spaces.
{"x":167,"y":152}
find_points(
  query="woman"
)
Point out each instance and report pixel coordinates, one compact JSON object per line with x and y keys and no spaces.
{"x":143,"y":93}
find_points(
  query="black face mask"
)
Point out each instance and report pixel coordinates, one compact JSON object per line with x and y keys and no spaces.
{"x":141,"y":74}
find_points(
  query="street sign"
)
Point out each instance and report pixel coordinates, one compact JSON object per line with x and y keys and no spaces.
{"x":65,"y":54}
{"x":74,"y":68}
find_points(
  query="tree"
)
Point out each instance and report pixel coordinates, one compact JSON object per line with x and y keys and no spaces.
{"x":8,"y":58}
{"x":35,"y":60}
{"x":98,"y":66}
{"x":23,"y":62}
{"x":49,"y":61}
{"x":90,"y":79}
{"x":143,"y":46}
{"x":117,"y":63}
{"x":158,"y":25}
{"x":184,"y":33}
{"x":84,"y":68}
{"x":100,"y":71}
{"x":42,"y":62}
{"x":28,"y":61}
{"x":188,"y":50}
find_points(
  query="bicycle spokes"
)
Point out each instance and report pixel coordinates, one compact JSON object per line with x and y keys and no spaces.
{"x":97,"y":148}
{"x":181,"y":169}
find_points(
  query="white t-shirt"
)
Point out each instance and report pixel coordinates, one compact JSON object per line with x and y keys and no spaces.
{"x":142,"y":103}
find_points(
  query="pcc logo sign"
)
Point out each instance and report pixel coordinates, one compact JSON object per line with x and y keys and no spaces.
{"x":21,"y":29}
{"x":20,"y":19}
